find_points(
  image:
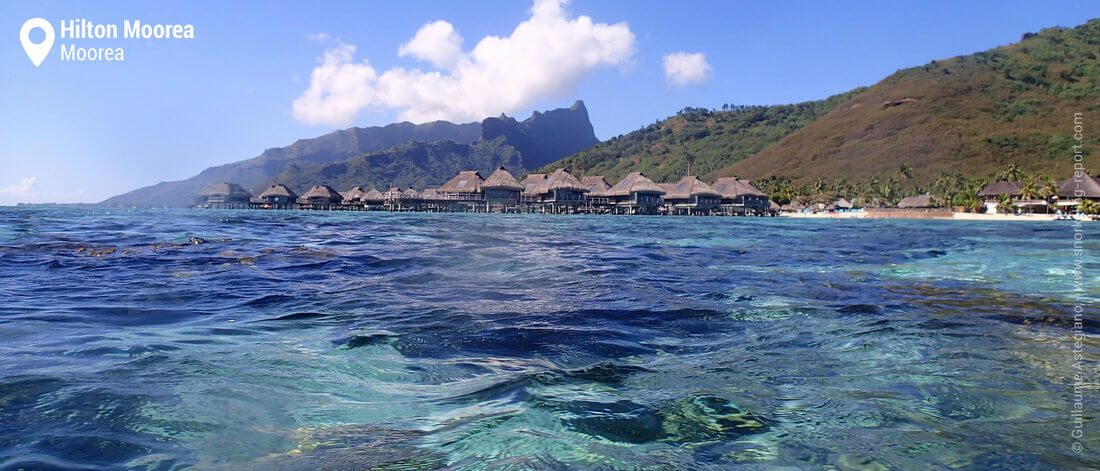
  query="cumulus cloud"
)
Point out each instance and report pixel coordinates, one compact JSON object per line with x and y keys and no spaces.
{"x":545,"y":57}
{"x":682,"y":68}
{"x":436,"y":42}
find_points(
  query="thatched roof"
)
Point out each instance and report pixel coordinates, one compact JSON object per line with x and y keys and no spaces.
{"x":920,"y":201}
{"x":689,"y":186}
{"x":561,"y":180}
{"x":793,"y":206}
{"x":231,"y":190}
{"x":1087,"y":186}
{"x":354,"y":194}
{"x":841,"y":204}
{"x":502,"y":180}
{"x":373,"y":195}
{"x":429,"y":194}
{"x":392,"y":193}
{"x":1003,"y":187}
{"x":465,"y":182}
{"x":410,"y":194}
{"x":634,"y":182}
{"x":322,"y":191}
{"x":773,"y":206}
{"x":274,"y":191}
{"x":532,"y":182}
{"x":597,"y":185}
{"x":730,"y":188}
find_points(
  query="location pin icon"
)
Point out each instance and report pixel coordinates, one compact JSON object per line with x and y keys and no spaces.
{"x":37,"y":52}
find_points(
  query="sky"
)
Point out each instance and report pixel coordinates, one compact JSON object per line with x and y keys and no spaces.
{"x":255,"y":77}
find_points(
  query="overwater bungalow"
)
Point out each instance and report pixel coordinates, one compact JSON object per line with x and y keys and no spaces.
{"x":278,"y":196}
{"x":223,"y":196}
{"x":920,"y":202}
{"x":740,"y":197}
{"x":560,"y":192}
{"x":392,"y":198}
{"x":597,"y":187}
{"x":635,"y":194}
{"x":353,"y":198}
{"x":409,"y":200}
{"x":531,"y":184}
{"x":691,"y":196}
{"x":501,"y":190}
{"x":430,"y":200}
{"x":320,"y":197}
{"x":463,"y":192}
{"x":373,"y":199}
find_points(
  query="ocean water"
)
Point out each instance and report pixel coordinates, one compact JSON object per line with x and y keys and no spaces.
{"x":302,"y":340}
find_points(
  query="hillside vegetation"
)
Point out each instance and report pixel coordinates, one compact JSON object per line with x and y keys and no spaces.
{"x":966,"y":116}
{"x":710,"y":139}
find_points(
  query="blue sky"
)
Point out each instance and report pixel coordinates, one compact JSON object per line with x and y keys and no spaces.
{"x":83,"y":131}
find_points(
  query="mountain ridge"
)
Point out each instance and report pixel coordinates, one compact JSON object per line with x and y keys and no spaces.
{"x":544,"y":137}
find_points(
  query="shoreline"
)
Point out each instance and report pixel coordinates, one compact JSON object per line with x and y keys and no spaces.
{"x":940,"y":215}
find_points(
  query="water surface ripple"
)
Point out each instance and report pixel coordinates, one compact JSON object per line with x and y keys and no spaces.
{"x":301,"y":340}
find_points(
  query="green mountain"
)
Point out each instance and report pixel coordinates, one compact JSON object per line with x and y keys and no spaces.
{"x":255,"y":173}
{"x":516,"y":145}
{"x":969,"y":115}
{"x":710,"y":139}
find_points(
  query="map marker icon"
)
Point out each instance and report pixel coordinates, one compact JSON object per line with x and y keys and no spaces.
{"x":37,"y":52}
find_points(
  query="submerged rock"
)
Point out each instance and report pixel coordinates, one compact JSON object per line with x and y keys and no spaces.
{"x":708,"y":418}
{"x":349,"y":447}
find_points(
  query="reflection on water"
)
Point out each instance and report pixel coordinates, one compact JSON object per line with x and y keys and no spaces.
{"x":294,"y":340}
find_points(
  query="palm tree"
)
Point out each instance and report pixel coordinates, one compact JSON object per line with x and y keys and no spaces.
{"x":1029,"y":191}
{"x":1011,"y":172}
{"x":1087,"y":207}
{"x":904,"y":172}
{"x":1005,"y":201}
{"x":1049,"y":190}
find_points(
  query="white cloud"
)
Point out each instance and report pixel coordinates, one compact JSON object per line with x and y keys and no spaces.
{"x":21,"y":189}
{"x":318,"y":37}
{"x":435,"y":42}
{"x":683,"y":69}
{"x":29,"y":191}
{"x":545,"y":57}
{"x":338,"y":89}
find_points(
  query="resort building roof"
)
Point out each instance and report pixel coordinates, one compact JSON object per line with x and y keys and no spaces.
{"x":532,"y":182}
{"x":430,"y":194}
{"x":278,"y":190}
{"x":468,"y":181}
{"x":1003,"y":187}
{"x":730,"y":188}
{"x":634,"y":182}
{"x":373,"y":195}
{"x":597,"y":185}
{"x":231,"y":190}
{"x":354,"y":194}
{"x":322,"y":191}
{"x":501,"y":179}
{"x":561,"y":180}
{"x":1087,"y":186}
{"x":687,"y":187}
{"x":410,"y":194}
{"x":841,"y":204}
{"x":920,"y":201}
